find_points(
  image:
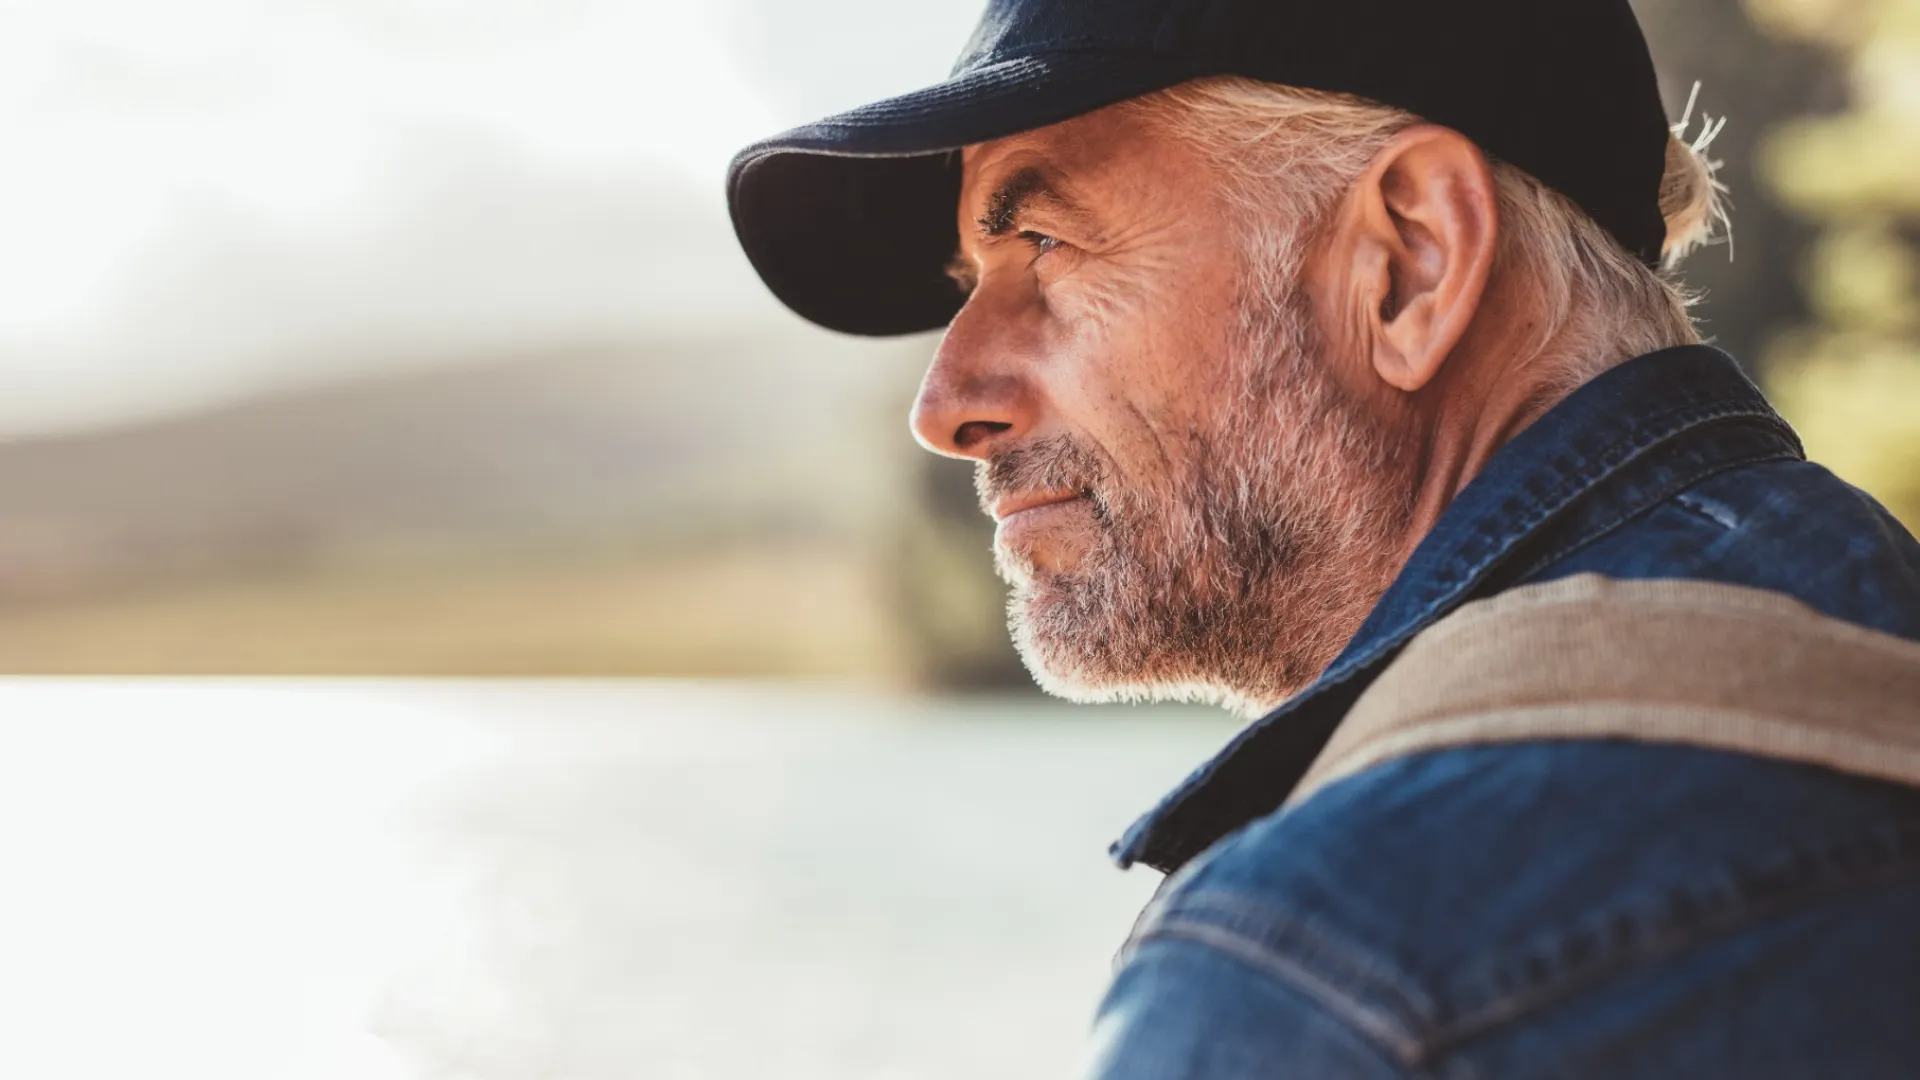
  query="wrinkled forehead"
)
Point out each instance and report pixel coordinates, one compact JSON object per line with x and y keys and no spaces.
{"x":1111,"y":155}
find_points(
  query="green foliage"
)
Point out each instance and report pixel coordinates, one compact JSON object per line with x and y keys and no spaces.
{"x":1851,"y":380}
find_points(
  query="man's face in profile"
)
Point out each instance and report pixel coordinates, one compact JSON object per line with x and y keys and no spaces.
{"x":1182,"y":478}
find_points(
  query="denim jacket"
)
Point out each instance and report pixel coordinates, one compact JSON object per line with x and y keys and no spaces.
{"x":1588,"y":908}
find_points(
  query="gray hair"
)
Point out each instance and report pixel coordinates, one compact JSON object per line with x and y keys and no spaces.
{"x":1292,"y":153}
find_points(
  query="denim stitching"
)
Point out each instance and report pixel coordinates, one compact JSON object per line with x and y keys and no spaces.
{"x":1667,"y":492}
{"x":1574,"y":482}
{"x":1378,"y":1024}
{"x":1738,"y":898}
{"x":1265,"y":925}
{"x":1900,"y":864}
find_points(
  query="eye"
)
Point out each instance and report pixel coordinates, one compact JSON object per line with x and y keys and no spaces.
{"x":1040,"y":242}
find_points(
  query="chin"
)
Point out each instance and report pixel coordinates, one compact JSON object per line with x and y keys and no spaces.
{"x":1030,"y":566}
{"x":1050,"y":542}
{"x":1104,"y":659}
{"x":1078,"y":688}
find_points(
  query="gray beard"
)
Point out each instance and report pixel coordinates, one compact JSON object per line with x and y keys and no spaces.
{"x":1237,"y":581}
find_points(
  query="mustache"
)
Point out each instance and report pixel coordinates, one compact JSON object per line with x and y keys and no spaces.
{"x":1056,"y":463}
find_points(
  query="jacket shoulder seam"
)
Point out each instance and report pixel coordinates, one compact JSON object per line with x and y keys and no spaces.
{"x":1349,"y":984}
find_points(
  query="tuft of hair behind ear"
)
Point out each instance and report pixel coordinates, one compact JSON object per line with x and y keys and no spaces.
{"x":1692,"y":201}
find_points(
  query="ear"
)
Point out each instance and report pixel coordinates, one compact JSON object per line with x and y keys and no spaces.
{"x":1424,"y":230}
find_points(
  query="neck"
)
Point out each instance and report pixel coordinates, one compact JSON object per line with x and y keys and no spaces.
{"x":1496,"y":383}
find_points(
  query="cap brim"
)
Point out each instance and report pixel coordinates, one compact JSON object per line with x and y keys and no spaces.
{"x":851,"y":221}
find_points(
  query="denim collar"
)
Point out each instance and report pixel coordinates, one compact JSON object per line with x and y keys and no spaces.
{"x":1585,"y":450}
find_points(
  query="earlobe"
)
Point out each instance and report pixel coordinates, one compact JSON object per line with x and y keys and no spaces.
{"x":1429,"y":228}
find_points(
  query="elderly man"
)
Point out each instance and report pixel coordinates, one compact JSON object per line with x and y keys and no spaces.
{"x":1285,"y":334}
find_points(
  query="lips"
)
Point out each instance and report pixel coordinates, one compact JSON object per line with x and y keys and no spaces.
{"x":1007,"y":506}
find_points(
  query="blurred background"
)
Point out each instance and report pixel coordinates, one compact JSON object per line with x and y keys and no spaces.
{"x":409,"y":338}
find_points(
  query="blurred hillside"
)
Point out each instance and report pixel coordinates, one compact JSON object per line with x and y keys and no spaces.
{"x":613,"y":508}
{"x":665,"y":443}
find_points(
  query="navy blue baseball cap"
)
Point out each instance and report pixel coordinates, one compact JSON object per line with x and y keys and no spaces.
{"x":852,"y":220}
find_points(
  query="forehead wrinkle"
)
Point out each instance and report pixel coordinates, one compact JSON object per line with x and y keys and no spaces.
{"x":1037,"y":168}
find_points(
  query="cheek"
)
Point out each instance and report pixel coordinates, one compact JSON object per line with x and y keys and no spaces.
{"x":1175,"y":374}
{"x":1142,"y":361}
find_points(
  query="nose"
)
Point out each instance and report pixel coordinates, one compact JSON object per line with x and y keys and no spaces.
{"x":977,"y":394}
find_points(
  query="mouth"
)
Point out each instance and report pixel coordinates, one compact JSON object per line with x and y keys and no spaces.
{"x":1008,"y":506}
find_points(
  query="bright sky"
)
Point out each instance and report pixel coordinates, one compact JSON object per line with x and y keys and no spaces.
{"x":206,"y":198}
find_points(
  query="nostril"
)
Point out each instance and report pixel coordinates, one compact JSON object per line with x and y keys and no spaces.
{"x":974,"y":432}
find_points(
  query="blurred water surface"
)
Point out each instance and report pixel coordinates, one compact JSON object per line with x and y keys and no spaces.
{"x":561,"y":880}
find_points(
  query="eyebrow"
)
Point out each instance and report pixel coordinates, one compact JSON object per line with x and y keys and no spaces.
{"x":1012,"y":197}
